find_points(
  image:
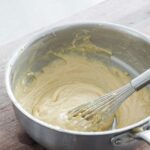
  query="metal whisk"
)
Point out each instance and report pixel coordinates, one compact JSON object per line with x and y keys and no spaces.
{"x":100,"y":109}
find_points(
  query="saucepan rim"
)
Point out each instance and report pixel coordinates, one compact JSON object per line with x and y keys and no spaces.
{"x":59,"y":28}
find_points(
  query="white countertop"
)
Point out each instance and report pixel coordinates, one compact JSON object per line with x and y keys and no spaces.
{"x":21,"y":17}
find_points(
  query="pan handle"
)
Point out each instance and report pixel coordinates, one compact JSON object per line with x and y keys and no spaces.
{"x":145,"y":135}
{"x":136,"y":133}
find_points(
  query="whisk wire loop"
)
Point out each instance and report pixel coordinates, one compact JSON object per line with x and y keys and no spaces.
{"x":104,"y":106}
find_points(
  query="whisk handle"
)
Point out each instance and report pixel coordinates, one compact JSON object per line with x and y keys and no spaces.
{"x":142,"y":80}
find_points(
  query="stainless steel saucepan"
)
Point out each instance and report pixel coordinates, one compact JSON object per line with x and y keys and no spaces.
{"x":130,"y":49}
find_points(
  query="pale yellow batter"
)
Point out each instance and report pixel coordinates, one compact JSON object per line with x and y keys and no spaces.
{"x":76,"y":79}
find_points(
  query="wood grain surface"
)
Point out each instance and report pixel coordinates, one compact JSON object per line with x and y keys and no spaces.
{"x":133,"y":13}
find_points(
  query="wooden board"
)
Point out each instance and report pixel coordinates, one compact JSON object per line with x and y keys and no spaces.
{"x":133,"y":13}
